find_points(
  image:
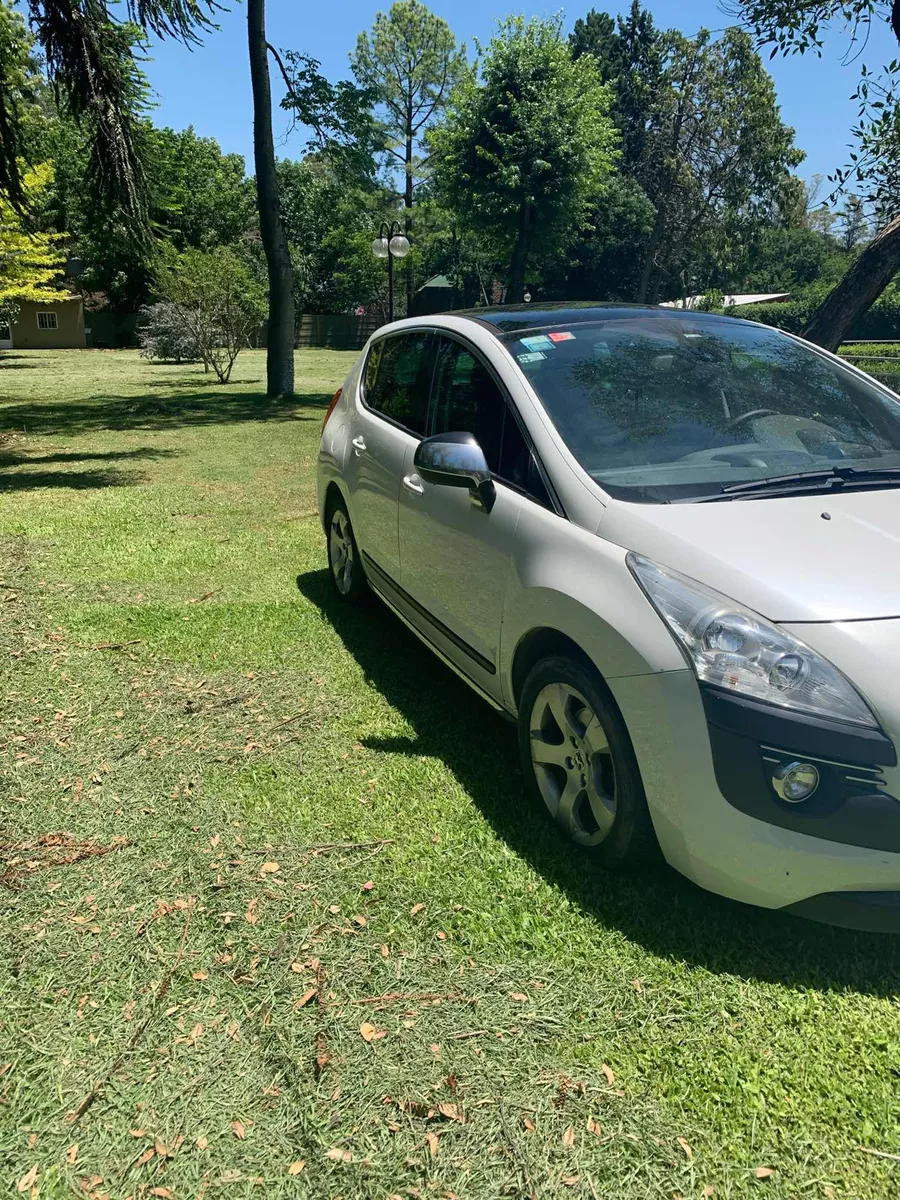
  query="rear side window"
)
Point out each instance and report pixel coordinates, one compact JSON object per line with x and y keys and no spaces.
{"x":395,"y":383}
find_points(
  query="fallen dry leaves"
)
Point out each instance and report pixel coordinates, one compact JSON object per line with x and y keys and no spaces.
{"x":269,"y":868}
{"x":568,"y":1137}
{"x":685,"y":1145}
{"x":27,"y":1180}
{"x":764,"y":1172}
{"x":239,"y":1129}
{"x":296,"y":1167}
{"x":369,"y":1033}
{"x":431,"y":1140}
{"x":608,"y":1074}
{"x":339,"y":1155}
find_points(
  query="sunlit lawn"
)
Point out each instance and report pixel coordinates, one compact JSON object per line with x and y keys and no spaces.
{"x":298,"y":913}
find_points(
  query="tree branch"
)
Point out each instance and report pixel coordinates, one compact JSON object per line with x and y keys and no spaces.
{"x":288,"y":83}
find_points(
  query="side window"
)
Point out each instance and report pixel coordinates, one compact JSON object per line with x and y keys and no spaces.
{"x":467,"y":400}
{"x":394,"y":384}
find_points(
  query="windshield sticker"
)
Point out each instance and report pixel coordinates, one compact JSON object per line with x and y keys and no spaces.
{"x":542,"y":342}
{"x":564,"y":336}
{"x":534,"y":356}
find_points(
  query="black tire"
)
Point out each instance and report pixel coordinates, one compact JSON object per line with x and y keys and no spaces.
{"x":622,"y":838}
{"x":344,"y":560}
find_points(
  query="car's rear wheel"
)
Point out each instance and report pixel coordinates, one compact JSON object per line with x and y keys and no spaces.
{"x":580,"y":764}
{"x":343,"y":556}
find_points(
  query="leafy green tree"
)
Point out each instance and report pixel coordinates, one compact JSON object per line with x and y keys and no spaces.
{"x":91,"y":58}
{"x":329,"y":229}
{"x":523,"y":153}
{"x":708,"y":177}
{"x":199,"y":196}
{"x":222,"y":302}
{"x":339,"y":116}
{"x":21,"y":88}
{"x":196,"y":196}
{"x":792,"y":27}
{"x":602,"y":263}
{"x":31,"y":264}
{"x":789,"y":260}
{"x":629,"y":55}
{"x":410,"y":63}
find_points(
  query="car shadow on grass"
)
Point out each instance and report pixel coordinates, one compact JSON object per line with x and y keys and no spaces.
{"x":215,"y":406}
{"x":658,"y":907}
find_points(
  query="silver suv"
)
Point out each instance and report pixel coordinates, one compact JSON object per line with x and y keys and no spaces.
{"x":668,"y":545}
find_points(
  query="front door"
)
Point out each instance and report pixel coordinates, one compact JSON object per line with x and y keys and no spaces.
{"x":455,"y":555}
{"x":388,"y":420}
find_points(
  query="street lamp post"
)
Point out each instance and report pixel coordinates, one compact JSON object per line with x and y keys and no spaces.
{"x":391,"y":243}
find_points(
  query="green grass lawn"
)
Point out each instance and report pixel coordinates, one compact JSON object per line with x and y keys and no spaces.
{"x":270,"y":895}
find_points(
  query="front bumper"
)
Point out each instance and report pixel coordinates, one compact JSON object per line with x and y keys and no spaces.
{"x":730,"y":851}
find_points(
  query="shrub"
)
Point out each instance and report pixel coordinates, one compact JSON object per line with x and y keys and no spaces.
{"x":223,"y":304}
{"x":164,"y":334}
{"x":881,"y":321}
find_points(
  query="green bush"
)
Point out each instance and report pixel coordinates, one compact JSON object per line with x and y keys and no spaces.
{"x":881,"y":321}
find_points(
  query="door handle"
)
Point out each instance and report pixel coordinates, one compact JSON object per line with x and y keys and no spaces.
{"x":359,"y":445}
{"x":413,"y":483}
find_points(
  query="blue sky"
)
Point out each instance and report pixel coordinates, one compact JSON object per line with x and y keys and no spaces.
{"x":209,"y":87}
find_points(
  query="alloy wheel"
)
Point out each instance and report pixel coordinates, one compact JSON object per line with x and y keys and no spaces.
{"x":340,"y":544}
{"x":572,"y":764}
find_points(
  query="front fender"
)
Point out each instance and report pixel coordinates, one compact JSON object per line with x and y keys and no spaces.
{"x":570,"y":580}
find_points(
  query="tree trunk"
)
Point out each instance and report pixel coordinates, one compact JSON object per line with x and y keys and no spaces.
{"x":280,"y":336}
{"x":515,"y":288}
{"x":860,"y":287}
{"x":653,"y":241}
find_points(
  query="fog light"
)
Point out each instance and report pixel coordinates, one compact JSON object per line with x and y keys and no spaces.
{"x":795,"y":781}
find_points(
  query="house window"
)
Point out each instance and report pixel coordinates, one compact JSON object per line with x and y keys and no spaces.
{"x":48,"y":320}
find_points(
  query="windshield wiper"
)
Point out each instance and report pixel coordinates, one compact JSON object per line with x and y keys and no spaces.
{"x":834,"y":479}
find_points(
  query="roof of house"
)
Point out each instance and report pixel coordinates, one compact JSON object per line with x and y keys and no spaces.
{"x":436,"y":281}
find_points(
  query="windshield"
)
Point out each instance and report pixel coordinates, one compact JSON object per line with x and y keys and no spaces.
{"x":660,"y":407}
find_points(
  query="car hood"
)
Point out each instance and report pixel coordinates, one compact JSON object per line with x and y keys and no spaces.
{"x":796,"y":558}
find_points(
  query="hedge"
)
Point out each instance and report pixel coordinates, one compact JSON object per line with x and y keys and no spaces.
{"x":881,"y":321}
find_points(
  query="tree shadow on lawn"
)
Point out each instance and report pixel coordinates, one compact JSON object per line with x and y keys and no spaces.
{"x":13,"y":459}
{"x":657,"y":908}
{"x":215,"y":406}
{"x":26,"y":481}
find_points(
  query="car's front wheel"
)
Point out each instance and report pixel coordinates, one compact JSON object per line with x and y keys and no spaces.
{"x":580,"y":765}
{"x":343,"y":556}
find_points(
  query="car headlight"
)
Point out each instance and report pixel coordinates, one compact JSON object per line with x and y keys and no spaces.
{"x":733,"y":648}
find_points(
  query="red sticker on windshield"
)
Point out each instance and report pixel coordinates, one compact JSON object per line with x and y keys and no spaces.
{"x":561,"y":337}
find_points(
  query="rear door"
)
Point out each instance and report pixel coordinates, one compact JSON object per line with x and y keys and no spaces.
{"x":456,"y":556}
{"x":389,"y":420}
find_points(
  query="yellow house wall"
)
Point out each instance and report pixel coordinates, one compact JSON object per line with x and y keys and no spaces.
{"x":69,"y":333}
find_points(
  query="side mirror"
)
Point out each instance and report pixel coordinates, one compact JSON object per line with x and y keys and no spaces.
{"x":456,"y":460}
